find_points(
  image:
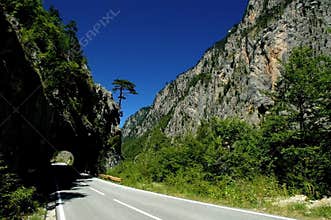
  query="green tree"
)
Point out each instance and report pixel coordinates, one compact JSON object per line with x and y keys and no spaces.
{"x":298,"y":128}
{"x":124,"y":86}
{"x":24,"y":10}
{"x":75,"y":50}
{"x":304,"y":93}
{"x":55,"y":15}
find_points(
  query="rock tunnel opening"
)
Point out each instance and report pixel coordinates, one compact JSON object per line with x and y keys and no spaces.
{"x":63,"y":157}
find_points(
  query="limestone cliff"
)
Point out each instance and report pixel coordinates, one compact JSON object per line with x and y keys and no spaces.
{"x":233,"y":75}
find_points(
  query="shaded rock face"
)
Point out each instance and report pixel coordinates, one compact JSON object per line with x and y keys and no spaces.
{"x":19,"y":142}
{"x":233,"y":75}
{"x":34,"y":124}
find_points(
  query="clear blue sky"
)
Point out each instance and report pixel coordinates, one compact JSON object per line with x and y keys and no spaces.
{"x":149,"y":42}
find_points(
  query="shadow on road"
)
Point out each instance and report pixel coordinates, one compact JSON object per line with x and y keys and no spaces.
{"x":66,"y":181}
{"x":65,"y":196}
{"x":66,"y":177}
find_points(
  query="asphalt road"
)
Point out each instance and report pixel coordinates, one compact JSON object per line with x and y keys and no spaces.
{"x":93,"y":198}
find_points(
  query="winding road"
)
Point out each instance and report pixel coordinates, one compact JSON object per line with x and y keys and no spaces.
{"x":93,"y":198}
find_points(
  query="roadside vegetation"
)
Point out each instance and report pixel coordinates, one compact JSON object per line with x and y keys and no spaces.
{"x":16,"y":200}
{"x":262,"y":167}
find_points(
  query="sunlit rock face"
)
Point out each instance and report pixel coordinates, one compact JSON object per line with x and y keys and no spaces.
{"x":36,"y":121}
{"x":233,"y":75}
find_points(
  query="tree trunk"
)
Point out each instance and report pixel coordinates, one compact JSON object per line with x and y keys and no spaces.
{"x":120,"y":97}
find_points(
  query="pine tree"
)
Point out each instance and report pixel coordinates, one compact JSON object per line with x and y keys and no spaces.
{"x":124,"y":86}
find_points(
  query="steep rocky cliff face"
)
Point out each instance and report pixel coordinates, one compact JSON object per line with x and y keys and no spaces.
{"x":233,"y":75}
{"x":51,"y":106}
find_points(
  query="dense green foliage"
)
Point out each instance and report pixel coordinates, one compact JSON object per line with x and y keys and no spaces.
{"x":232,"y":161}
{"x":55,"y":51}
{"x":297,"y":132}
{"x":15,"y":199}
{"x":222,"y":152}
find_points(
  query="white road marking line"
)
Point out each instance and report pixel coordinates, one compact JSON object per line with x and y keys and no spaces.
{"x":137,"y":210}
{"x":60,"y":210}
{"x":196,"y":202}
{"x":97,"y":191}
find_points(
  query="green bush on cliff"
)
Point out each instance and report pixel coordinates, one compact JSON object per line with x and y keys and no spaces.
{"x":54,"y":47}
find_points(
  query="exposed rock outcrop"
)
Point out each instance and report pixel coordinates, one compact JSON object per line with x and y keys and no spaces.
{"x":232,"y":76}
{"x":37,"y":120}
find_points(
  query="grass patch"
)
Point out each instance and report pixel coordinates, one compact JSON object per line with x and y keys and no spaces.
{"x":323,"y":211}
{"x":38,"y":215}
{"x":258,"y":194}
